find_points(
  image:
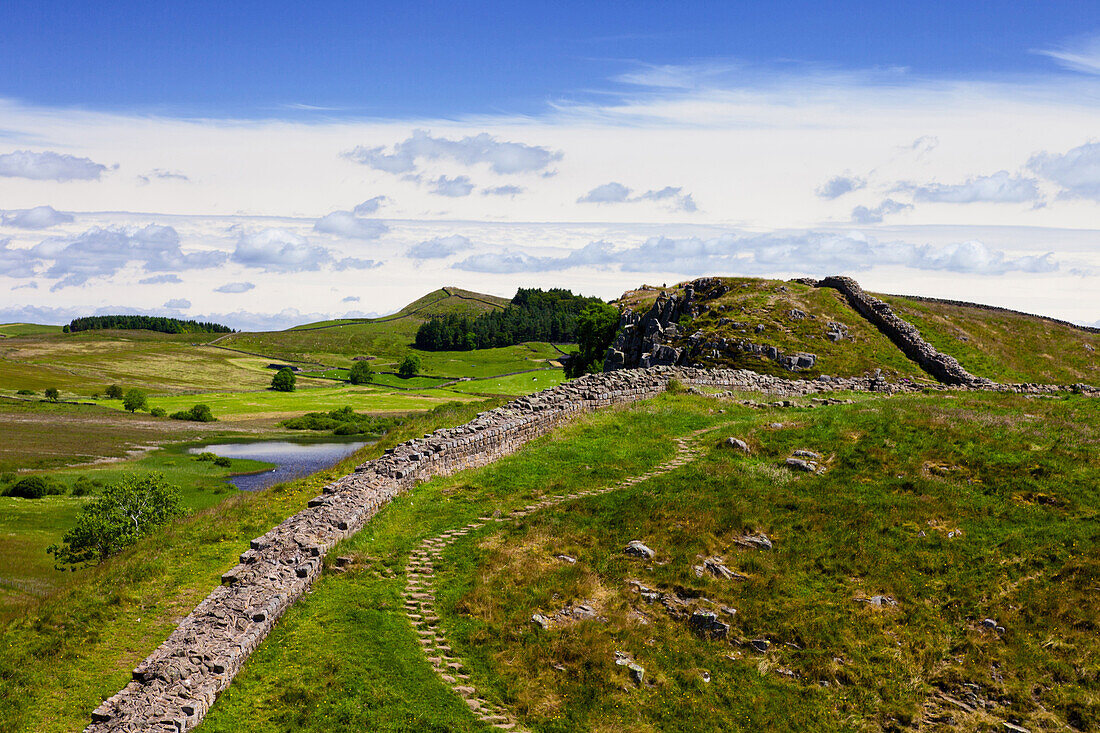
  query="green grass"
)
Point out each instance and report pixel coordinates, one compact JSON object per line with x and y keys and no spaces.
{"x":516,"y":384}
{"x":27,"y":329}
{"x":60,"y":657}
{"x":1015,"y":478}
{"x":1005,"y":347}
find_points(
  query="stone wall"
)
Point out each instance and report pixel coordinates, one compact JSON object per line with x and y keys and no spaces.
{"x":175,"y":686}
{"x":905,"y":336}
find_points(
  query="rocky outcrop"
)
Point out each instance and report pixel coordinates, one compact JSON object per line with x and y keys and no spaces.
{"x":655,"y":337}
{"x":943,"y":367}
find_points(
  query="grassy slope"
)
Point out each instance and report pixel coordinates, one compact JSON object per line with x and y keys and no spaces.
{"x":26,"y":329}
{"x":1006,"y":347}
{"x":753,"y":301}
{"x":1022,"y":490}
{"x":61,"y":657}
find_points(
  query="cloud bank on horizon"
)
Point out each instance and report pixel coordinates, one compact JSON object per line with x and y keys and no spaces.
{"x":946,"y":186}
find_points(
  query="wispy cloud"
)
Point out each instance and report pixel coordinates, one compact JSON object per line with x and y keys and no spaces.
{"x":1001,"y":187}
{"x":178,"y":304}
{"x":875,"y":214}
{"x":159,"y":174}
{"x":837,"y":186}
{"x":438,"y":247}
{"x":370,"y":206}
{"x":234,"y":288}
{"x":453,"y":187}
{"x":617,"y":193}
{"x":346,"y":224}
{"x":1080,"y":54}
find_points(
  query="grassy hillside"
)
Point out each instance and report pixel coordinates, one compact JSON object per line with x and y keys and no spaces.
{"x":955,"y":509}
{"x":1005,"y":346}
{"x":754,"y":303}
{"x":26,"y":329}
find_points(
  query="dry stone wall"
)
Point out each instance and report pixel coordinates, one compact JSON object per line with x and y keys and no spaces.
{"x":172,"y":690}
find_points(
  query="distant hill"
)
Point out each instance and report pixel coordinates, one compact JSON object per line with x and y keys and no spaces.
{"x":9,"y":330}
{"x":443,"y":302}
{"x":995,"y":343}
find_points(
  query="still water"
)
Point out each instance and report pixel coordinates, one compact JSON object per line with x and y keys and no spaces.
{"x":291,"y":460}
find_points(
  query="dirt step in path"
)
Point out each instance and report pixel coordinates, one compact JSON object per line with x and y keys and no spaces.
{"x":419,"y":593}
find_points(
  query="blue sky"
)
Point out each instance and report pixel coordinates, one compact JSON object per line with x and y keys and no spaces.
{"x":265,"y":164}
{"x":255,"y":59}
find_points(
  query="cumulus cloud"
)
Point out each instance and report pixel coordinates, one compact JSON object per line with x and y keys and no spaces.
{"x":100,"y":252}
{"x":279,"y":250}
{"x":16,"y":262}
{"x":864,"y":215}
{"x":161,"y":175}
{"x":1081,"y":54}
{"x":350,"y":299}
{"x":502,"y":157}
{"x":355,"y":263}
{"x":370,"y":206}
{"x":347,"y":224}
{"x":1077,"y":172}
{"x":438,"y":247}
{"x":837,"y":186}
{"x":810,"y":252}
{"x":234,"y":288}
{"x":160,"y":280}
{"x":1001,"y":187}
{"x":178,"y":304}
{"x":40,"y":217}
{"x":453,"y":187}
{"x":617,"y":193}
{"x":49,"y":166}
{"x":508,"y":190}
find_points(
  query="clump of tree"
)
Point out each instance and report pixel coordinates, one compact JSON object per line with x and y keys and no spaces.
{"x":158,"y":412}
{"x":198,"y":413}
{"x":114,"y":392}
{"x":126,"y":511}
{"x":360,"y":373}
{"x":596,"y":328}
{"x":147,"y":323}
{"x":284,"y":380}
{"x":344,"y":421}
{"x":52,"y":394}
{"x":533,"y":315}
{"x":35,"y":487}
{"x":25,"y":392}
{"x":222,"y":461}
{"x":409,"y":366}
{"x":134,"y":400}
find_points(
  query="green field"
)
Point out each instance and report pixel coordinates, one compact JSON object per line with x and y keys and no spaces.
{"x":514,"y":385}
{"x":27,"y":329}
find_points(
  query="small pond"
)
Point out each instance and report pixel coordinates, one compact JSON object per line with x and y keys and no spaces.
{"x":292,"y":460}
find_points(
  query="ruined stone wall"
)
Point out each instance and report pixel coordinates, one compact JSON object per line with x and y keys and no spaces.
{"x":943,"y":367}
{"x":175,"y":686}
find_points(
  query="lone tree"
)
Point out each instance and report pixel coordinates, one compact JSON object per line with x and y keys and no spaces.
{"x":114,"y":392}
{"x":135,"y":400}
{"x":409,"y":366}
{"x":284,"y":380}
{"x":361,"y":373}
{"x":126,"y":511}
{"x":52,"y":394}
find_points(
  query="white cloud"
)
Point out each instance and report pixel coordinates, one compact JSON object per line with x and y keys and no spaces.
{"x":100,"y":252}
{"x":347,"y":224}
{"x":350,"y":299}
{"x":1001,"y":187}
{"x":162,"y":175}
{"x":864,"y":215}
{"x":809,"y":252}
{"x":279,"y":250}
{"x":1077,"y":171}
{"x":454,"y":187}
{"x":178,"y":304}
{"x":160,"y":280}
{"x":502,"y":157}
{"x":234,"y":288}
{"x":49,"y":166}
{"x":617,"y":193}
{"x":608,"y":193}
{"x":370,"y":206}
{"x":27,"y":286}
{"x":507,"y":190}
{"x":837,"y":186}
{"x":1081,"y":54}
{"x":40,"y":217}
{"x":355,"y":263}
{"x":438,"y":247}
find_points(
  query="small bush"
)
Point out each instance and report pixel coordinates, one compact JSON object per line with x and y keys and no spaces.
{"x":26,"y":392}
{"x":7,"y":477}
{"x":198,"y":413}
{"x":114,"y":392}
{"x":83,"y":486}
{"x":158,"y":412}
{"x":361,"y":373}
{"x":205,"y":455}
{"x":348,"y":428}
{"x":675,"y":386}
{"x":409,"y":367}
{"x":52,"y":394}
{"x":35,"y":487}
{"x":223,"y":462}
{"x":284,"y":380}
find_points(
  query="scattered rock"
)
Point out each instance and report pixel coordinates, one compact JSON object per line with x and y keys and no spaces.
{"x":836,"y":331}
{"x":796,"y":314}
{"x":541,"y":621}
{"x":798,"y":464}
{"x":344,"y":561}
{"x":878,"y":601}
{"x":637,"y":672}
{"x":758,"y":541}
{"x":803,"y":453}
{"x":637,"y":549}
{"x":1014,"y":728}
{"x":568,"y":559}
{"x":989,"y":623}
{"x":760,"y":645}
{"x":706,"y":624}
{"x":716,"y":566}
{"x":737,"y":444}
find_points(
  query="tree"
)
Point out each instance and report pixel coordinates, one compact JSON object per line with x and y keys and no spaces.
{"x":135,"y":400}
{"x":361,"y":373}
{"x":52,"y":394}
{"x":127,"y":510}
{"x":596,"y":327}
{"x":114,"y":392}
{"x":284,"y":380}
{"x":409,"y":366}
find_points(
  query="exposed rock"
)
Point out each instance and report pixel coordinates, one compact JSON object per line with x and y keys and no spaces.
{"x":836,"y":331}
{"x":797,"y":314}
{"x":637,"y":672}
{"x":737,"y":444}
{"x":637,"y":549}
{"x":800,"y":465}
{"x":758,"y":541}
{"x":716,"y":566}
{"x":803,"y":453}
{"x":706,"y":624}
{"x":760,"y":645}
{"x":541,"y":621}
{"x":567,"y":559}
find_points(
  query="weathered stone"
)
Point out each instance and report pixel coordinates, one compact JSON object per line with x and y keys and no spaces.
{"x":758,"y":541}
{"x":706,"y":624}
{"x":737,"y":444}
{"x":637,"y":549}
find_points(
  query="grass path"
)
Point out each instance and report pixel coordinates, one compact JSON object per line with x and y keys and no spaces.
{"x":419,"y":593}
